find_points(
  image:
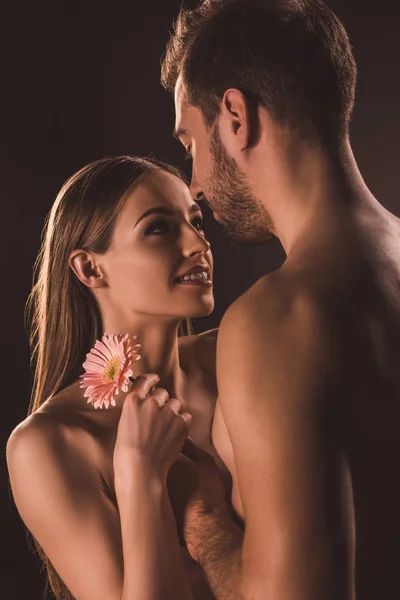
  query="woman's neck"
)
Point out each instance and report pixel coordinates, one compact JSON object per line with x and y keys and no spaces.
{"x":159,"y":352}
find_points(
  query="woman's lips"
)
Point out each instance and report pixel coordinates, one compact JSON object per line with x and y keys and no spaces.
{"x":206,"y":283}
{"x":199,"y":273}
{"x":195,"y":279}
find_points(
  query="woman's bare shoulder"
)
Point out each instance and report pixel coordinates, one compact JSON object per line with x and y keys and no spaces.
{"x":31,"y":440}
{"x":56,"y":424}
{"x":58,"y":492}
{"x":41,"y":429}
{"x":199,"y":338}
{"x":200,"y":348}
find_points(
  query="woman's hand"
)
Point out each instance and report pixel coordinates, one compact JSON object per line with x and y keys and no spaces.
{"x":151,"y":432}
{"x":150,"y":436}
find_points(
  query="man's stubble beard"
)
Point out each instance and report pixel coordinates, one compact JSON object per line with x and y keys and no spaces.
{"x":243,"y":217}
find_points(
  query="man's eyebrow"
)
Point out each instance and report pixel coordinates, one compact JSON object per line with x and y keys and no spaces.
{"x":178,"y":132}
{"x":163,"y":210}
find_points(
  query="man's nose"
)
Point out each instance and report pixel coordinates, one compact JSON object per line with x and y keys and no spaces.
{"x":195,"y":188}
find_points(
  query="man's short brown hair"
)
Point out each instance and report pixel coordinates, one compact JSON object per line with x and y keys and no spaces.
{"x":291,"y":56}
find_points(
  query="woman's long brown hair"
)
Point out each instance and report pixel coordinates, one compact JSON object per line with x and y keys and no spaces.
{"x":62,"y":316}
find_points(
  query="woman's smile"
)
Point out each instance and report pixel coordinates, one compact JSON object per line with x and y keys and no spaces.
{"x":197,"y":275}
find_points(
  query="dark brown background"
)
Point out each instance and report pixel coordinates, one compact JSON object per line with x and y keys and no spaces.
{"x":80,"y":81}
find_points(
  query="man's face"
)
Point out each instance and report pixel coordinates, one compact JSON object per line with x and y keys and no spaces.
{"x":216,"y":177}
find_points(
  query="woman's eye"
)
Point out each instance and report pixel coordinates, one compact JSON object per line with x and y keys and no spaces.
{"x":157,"y":228}
{"x":198,"y":224}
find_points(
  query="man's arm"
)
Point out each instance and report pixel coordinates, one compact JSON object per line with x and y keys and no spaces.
{"x":277,"y":367}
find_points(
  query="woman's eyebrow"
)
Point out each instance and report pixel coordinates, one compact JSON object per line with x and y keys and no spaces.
{"x":194,"y":208}
{"x":163,"y":210}
{"x":160,"y":210}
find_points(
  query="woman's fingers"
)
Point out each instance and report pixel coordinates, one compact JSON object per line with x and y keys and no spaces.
{"x":143,"y":384}
{"x":142,"y":390}
{"x":161,"y":396}
{"x":187,"y":417}
{"x":176,"y":406}
{"x":153,"y":424}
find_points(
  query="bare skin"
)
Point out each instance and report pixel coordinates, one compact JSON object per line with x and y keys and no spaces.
{"x":307,"y":370}
{"x":362,"y":388}
{"x":90,"y":436}
{"x":112,"y":484}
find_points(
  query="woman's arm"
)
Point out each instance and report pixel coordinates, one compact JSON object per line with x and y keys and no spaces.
{"x":153,"y":564}
{"x":151,"y":433}
{"x":96,"y":549}
{"x":58,"y":494}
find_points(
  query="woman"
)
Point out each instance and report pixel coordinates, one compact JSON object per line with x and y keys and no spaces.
{"x":91,"y":485}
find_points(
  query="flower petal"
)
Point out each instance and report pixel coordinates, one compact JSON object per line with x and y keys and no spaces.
{"x":107,"y":369}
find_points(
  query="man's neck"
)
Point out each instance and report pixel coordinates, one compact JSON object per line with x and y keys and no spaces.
{"x":315,"y":193}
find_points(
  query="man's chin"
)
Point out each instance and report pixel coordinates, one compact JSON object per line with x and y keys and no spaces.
{"x":224,"y":224}
{"x":222,"y":220}
{"x":245,"y":236}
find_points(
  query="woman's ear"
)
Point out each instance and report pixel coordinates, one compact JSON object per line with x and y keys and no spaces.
{"x":85,"y":268}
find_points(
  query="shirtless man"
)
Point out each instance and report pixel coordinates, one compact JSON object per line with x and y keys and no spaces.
{"x":307,"y":419}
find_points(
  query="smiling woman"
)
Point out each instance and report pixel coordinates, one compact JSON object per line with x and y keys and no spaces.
{"x":83,"y":216}
{"x":124,"y":251}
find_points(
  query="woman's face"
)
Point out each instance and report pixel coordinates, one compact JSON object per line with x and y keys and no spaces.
{"x":158,"y":237}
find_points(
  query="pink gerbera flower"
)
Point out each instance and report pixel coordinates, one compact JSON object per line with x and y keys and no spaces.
{"x":107,"y":369}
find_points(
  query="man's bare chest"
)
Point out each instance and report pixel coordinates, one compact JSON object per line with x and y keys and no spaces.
{"x":223,"y":447}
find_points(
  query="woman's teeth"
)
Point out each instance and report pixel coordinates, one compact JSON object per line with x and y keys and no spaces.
{"x":203,"y":276}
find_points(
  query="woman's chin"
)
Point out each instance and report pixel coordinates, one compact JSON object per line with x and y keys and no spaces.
{"x":203,"y":309}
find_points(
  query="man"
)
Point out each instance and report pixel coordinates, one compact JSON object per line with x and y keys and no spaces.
{"x":308,"y":414}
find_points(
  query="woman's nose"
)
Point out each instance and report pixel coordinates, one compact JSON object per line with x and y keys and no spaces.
{"x":194,"y":242}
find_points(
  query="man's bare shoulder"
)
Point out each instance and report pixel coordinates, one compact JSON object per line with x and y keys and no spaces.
{"x":280,"y":312}
{"x":278,"y":339}
{"x":274,"y":296}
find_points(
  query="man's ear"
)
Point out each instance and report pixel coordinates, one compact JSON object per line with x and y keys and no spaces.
{"x":85,"y":268}
{"x":239,"y":119}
